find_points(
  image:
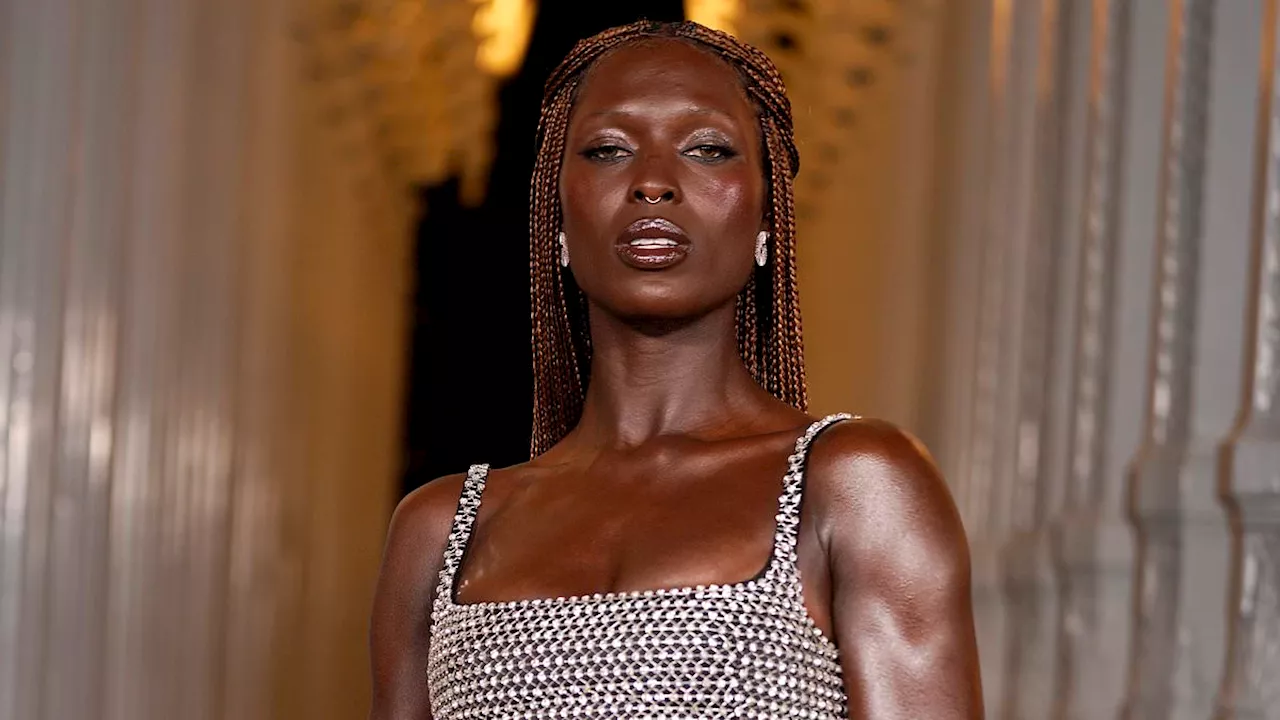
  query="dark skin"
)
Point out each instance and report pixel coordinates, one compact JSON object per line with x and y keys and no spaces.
{"x":673,"y":474}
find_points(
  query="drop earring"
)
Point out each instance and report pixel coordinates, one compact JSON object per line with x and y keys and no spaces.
{"x":564,"y":251}
{"x":762,"y":248}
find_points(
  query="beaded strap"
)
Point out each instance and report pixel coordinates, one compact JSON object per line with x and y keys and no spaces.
{"x":788,"y":529}
{"x":463,"y":521}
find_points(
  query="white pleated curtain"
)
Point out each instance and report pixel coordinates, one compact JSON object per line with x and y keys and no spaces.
{"x":204,"y":275}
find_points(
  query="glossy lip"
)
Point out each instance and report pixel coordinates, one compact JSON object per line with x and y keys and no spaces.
{"x":670,"y":245}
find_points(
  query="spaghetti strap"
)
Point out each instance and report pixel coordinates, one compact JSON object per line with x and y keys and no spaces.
{"x":463,"y":522}
{"x":788,"y":528}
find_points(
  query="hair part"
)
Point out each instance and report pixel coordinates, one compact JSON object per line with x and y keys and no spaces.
{"x":770,"y":337}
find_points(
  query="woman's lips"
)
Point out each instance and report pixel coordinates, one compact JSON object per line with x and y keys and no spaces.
{"x":652,"y":244}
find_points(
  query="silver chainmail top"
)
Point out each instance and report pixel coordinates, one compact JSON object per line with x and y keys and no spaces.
{"x":744,"y":650}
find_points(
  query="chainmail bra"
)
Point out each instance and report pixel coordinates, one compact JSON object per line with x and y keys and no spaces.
{"x":744,"y":650}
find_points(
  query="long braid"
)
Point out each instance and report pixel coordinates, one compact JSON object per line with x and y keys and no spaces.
{"x":748,"y":337}
{"x":786,"y":296}
{"x":770,"y":338}
{"x":557,"y":378}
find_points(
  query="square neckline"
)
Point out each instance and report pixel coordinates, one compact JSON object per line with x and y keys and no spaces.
{"x":797,"y":462}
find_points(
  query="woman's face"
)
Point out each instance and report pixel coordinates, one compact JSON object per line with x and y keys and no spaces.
{"x":663,"y":121}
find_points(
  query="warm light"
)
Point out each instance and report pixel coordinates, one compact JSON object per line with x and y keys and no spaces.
{"x":502,"y":28}
{"x":718,"y":14}
{"x":1001,"y":21}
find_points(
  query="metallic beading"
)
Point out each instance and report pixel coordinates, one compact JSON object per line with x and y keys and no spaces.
{"x":744,"y":650}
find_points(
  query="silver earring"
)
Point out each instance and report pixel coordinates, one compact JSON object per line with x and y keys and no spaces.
{"x":762,"y":249}
{"x":564,"y":251}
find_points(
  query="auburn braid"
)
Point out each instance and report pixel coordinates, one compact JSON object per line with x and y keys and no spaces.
{"x":770,"y":338}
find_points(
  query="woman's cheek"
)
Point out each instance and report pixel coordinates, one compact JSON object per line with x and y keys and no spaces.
{"x":734,"y":201}
{"x":589,"y":200}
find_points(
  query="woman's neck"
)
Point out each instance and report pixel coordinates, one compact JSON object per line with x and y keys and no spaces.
{"x":654,"y":381}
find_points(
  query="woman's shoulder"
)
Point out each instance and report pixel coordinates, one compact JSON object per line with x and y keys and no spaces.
{"x":869,"y":450}
{"x":876,"y":485}
{"x":430,"y":503}
{"x":423,"y":518}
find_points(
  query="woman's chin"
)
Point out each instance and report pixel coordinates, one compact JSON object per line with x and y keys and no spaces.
{"x":665,"y":310}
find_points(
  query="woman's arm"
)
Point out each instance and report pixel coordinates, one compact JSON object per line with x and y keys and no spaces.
{"x":900,"y":584}
{"x":399,"y":631}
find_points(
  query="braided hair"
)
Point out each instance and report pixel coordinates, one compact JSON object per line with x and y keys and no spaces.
{"x":768,"y":308}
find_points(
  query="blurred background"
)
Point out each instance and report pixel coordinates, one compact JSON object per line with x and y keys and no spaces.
{"x":263,"y":269}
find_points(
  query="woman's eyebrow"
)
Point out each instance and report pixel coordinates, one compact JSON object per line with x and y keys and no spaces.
{"x":625,"y":112}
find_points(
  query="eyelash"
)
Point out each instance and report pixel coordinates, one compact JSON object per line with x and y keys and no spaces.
{"x":597,"y":153}
{"x":723,"y":153}
{"x":611,"y":153}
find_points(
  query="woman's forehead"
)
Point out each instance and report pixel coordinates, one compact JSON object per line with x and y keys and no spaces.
{"x":662,"y":69}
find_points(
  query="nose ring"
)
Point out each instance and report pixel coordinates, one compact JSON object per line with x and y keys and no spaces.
{"x":653,"y":201}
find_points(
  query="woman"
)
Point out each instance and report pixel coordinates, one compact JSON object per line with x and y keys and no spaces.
{"x":654,"y":558}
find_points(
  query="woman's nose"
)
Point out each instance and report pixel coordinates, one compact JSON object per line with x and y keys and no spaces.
{"x":654,"y":182}
{"x":643,"y":195}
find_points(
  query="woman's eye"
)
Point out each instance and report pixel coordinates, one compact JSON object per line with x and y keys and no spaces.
{"x":710,"y":152}
{"x":606,"y":152}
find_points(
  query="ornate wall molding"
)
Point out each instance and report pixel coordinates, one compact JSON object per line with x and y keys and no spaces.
{"x":1093,"y":545}
{"x":1251,"y":453}
{"x":1045,"y":43}
{"x":1159,"y":290}
{"x":1158,"y":643}
{"x":960,"y":238}
{"x":987,"y":504}
{"x":1196,"y":354}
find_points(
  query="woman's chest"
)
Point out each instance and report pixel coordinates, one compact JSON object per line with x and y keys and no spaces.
{"x":551,"y":539}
